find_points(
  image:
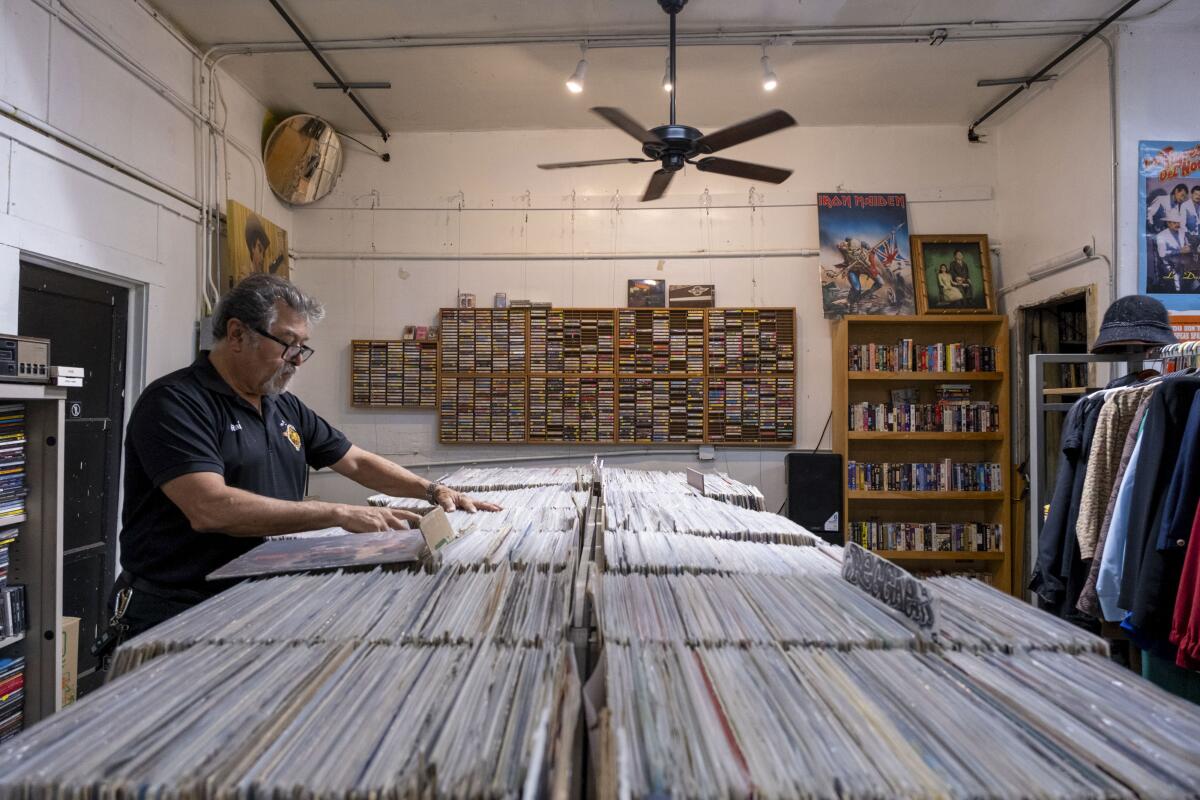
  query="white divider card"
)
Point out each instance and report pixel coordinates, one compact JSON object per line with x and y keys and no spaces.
{"x":889,"y":584}
{"x":696,"y":479}
{"x":435,"y":527}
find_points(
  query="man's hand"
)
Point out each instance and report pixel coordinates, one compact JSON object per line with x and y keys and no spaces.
{"x":370,"y":519}
{"x":449,"y":500}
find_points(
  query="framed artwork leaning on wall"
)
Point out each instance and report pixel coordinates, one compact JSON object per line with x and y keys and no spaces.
{"x":953,"y":274}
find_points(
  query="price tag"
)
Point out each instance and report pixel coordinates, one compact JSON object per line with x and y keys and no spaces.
{"x":889,"y":584}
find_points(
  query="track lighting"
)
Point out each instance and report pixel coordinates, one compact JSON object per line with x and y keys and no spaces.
{"x":770,"y":79}
{"x":667,"y":77}
{"x":575,"y":82}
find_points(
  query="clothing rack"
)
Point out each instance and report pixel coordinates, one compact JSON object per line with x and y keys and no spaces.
{"x":1037,"y":427}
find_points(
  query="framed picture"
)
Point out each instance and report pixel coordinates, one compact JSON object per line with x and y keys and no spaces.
{"x":254,"y":244}
{"x":696,"y":295}
{"x":647,"y":293}
{"x":466,"y":300}
{"x":953,"y":274}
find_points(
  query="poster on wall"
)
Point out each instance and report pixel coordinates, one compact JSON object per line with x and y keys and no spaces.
{"x":1186,"y":327}
{"x":647,"y":293}
{"x":865,"y":263}
{"x":695,"y":295}
{"x":1169,"y":206}
{"x":255,"y":244}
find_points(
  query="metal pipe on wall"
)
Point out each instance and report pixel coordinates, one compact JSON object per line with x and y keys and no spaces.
{"x":300,"y":255}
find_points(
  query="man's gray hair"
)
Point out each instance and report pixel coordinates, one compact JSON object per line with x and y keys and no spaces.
{"x":253,"y":302}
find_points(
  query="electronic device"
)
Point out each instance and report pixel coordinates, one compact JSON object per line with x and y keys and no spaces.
{"x":815,"y":483}
{"x":24,"y":359}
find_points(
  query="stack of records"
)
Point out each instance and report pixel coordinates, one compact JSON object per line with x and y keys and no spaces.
{"x":13,"y":614}
{"x":12,"y":463}
{"x":717,"y":486}
{"x":337,"y":722}
{"x":662,"y":553}
{"x":12,"y":701}
{"x":698,"y":516}
{"x":7,"y":537}
{"x":479,"y":479}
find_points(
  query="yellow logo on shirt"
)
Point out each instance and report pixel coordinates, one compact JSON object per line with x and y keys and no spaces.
{"x":292,"y":435}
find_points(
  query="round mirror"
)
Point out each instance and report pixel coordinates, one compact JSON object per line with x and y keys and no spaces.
{"x":303,"y":159}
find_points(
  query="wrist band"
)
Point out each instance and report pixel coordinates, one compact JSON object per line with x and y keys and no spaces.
{"x":431,"y":492}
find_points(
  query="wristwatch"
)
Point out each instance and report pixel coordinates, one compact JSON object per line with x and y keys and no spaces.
{"x":431,"y":492}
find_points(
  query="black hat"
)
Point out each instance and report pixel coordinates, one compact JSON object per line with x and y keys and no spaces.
{"x":1134,"y":321}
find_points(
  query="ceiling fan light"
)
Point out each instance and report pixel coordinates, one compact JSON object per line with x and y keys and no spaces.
{"x":575,"y":82}
{"x":666,"y":82}
{"x":770,"y":79}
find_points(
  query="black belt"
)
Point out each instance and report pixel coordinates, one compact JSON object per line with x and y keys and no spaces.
{"x":165,"y":591}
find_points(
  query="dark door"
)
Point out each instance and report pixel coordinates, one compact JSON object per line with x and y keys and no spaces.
{"x":86,"y":323}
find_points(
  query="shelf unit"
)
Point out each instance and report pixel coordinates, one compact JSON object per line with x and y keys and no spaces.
{"x":35,"y":558}
{"x":393,"y":373}
{"x":992,"y":507}
{"x":657,"y":375}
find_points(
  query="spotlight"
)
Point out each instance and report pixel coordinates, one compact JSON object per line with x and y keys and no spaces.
{"x":770,"y":79}
{"x":575,"y":82}
{"x":667,"y":77}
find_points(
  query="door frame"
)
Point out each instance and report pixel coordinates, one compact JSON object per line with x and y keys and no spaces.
{"x":135,"y":344}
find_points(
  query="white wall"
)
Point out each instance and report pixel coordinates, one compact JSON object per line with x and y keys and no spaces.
{"x":60,"y":204}
{"x":1054,"y":183}
{"x":411,"y":206}
{"x":1158,"y":96}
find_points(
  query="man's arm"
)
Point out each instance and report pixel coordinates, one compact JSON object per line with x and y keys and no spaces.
{"x":381,"y":475}
{"x":210,"y":505}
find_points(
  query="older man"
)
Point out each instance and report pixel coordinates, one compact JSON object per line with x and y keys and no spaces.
{"x":217,"y":455}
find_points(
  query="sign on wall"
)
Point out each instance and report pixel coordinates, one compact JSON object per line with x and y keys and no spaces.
{"x":1169,"y":220}
{"x":255,"y":245}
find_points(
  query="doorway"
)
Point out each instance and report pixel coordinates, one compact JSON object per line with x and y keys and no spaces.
{"x":86,"y":322}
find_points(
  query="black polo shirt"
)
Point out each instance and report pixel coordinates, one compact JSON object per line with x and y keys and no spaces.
{"x":192,"y":421}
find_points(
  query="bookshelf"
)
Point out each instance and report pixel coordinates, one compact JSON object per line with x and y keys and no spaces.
{"x":617,"y":375}
{"x":931,"y":449}
{"x":393,"y":373}
{"x":37,"y":554}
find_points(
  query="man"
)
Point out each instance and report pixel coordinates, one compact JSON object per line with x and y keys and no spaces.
{"x":217,"y":455}
{"x":1161,"y":206}
{"x":857,"y":264}
{"x":960,"y":276}
{"x":1173,"y":250}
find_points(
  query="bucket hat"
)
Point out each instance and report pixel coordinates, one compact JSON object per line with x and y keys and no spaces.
{"x":1133,"y":321}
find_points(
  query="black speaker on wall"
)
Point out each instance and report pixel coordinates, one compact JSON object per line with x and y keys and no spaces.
{"x":814,"y":493}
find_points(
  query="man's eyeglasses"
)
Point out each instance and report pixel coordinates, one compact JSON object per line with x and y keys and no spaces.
{"x":290,"y":351}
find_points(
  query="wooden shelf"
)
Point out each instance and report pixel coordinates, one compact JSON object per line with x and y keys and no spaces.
{"x":924,"y":436}
{"x":989,"y":330}
{"x":958,"y":377}
{"x":939,"y":555}
{"x":1068,"y":391}
{"x":961,"y":320}
{"x":859,"y":494}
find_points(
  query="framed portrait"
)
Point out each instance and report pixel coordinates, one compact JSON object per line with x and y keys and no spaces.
{"x":253,"y":244}
{"x":647,"y":293}
{"x":953,"y":274}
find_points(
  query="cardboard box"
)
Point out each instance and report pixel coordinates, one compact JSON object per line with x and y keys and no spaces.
{"x":70,"y":660}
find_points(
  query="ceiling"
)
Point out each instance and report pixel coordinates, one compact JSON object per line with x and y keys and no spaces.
{"x":520,"y":86}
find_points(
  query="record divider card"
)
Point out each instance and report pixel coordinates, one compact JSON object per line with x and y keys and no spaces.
{"x":616,"y":375}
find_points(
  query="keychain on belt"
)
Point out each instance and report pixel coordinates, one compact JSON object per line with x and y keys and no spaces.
{"x":117,"y":627}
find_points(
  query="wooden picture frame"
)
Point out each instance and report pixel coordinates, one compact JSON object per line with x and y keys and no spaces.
{"x":967,"y":285}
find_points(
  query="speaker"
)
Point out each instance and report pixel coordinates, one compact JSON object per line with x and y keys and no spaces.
{"x":815,"y":483}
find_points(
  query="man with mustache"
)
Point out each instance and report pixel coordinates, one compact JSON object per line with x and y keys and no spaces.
{"x":217,"y":457}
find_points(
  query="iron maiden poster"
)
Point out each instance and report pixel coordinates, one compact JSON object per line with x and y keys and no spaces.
{"x":1169,"y":206}
{"x":865,"y":266}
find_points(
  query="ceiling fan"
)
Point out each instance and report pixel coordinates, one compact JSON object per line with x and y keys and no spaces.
{"x":675,"y":145}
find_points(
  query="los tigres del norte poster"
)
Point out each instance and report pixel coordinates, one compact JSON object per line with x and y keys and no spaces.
{"x":865,"y":264}
{"x":1169,"y":220}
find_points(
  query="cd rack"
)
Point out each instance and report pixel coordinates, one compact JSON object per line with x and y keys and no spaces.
{"x":393,"y":373}
{"x":616,"y":375}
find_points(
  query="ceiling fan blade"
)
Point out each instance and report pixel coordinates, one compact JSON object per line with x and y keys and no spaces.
{"x":745,"y":130}
{"x":616,"y":116}
{"x":600,"y":162}
{"x":658,"y":184}
{"x":743,"y":169}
